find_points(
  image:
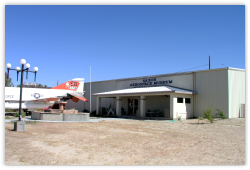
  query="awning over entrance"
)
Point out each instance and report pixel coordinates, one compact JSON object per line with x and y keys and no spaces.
{"x":145,"y":90}
{"x":143,"y":102}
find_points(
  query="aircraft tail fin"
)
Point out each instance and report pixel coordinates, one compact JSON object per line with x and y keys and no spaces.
{"x":76,"y":84}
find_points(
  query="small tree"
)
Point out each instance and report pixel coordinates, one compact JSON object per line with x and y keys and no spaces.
{"x":8,"y":81}
{"x":40,"y":86}
{"x":208,"y":114}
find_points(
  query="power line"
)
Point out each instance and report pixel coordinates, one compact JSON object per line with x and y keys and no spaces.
{"x":228,"y":63}
{"x":206,"y":65}
{"x":193,"y":68}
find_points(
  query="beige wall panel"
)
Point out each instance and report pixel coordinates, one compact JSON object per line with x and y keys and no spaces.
{"x":236,"y":92}
{"x":75,"y":105}
{"x":212,"y":89}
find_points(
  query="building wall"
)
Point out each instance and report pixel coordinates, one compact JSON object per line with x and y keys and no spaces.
{"x":97,"y":87}
{"x":236,"y":92}
{"x":184,"y":81}
{"x":211,"y":87}
{"x":75,"y":105}
{"x":182,"y":109}
{"x":224,"y":89}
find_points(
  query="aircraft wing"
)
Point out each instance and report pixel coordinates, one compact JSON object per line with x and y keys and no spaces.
{"x":74,"y":97}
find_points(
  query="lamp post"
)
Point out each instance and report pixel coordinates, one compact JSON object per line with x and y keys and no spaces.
{"x":27,"y":65}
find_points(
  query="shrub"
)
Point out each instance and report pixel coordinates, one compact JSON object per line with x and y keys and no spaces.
{"x":179,"y":118}
{"x":85,"y":111}
{"x":16,"y":114}
{"x":93,"y":114}
{"x":200,"y":118}
{"x":208,"y":114}
{"x":10,"y":110}
{"x":221,"y":114}
{"x":23,"y":114}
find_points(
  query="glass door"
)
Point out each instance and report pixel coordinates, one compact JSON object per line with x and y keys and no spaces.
{"x":132,"y":106}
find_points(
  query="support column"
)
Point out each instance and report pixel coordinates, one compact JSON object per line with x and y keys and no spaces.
{"x":118,"y":106}
{"x":61,"y":105}
{"x":98,"y":106}
{"x":171,"y":107}
{"x":142,"y":106}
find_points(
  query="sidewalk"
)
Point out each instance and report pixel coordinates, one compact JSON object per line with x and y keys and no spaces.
{"x":94,"y":119}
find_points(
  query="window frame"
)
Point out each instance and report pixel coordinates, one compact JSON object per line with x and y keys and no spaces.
{"x":179,"y":101}
{"x":189,"y":101}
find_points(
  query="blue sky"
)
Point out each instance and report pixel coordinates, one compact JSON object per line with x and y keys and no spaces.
{"x":122,"y":41}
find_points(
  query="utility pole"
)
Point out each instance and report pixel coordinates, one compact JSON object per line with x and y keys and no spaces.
{"x":57,"y":82}
{"x":209,"y":62}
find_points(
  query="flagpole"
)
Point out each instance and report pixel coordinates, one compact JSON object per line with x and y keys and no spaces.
{"x":90,"y":87}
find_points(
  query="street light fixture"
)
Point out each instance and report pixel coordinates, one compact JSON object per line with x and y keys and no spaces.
{"x":23,"y":61}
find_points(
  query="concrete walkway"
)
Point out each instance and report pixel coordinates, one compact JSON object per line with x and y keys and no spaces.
{"x":94,"y":119}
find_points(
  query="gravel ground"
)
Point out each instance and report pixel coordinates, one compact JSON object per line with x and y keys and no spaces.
{"x":127,"y":142}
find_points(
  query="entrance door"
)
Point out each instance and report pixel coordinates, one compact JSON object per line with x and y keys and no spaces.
{"x":132,"y":106}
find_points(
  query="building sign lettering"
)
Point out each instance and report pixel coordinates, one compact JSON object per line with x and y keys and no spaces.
{"x":151,"y":82}
{"x":9,"y":96}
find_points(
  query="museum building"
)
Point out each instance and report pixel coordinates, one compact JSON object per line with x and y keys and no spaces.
{"x":184,"y":95}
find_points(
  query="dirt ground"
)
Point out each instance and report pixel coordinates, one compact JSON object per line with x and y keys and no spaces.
{"x":127,"y":142}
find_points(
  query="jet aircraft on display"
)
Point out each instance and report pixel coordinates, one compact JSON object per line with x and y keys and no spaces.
{"x":39,"y":98}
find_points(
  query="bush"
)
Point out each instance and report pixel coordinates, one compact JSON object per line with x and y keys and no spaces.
{"x":23,"y":114}
{"x":85,"y":111}
{"x":221,"y":114}
{"x":16,"y":114}
{"x":93,"y":114}
{"x":179,"y":118}
{"x":10,"y":110}
{"x":200,"y":118}
{"x":208,"y":114}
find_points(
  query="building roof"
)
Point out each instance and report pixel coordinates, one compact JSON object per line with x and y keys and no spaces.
{"x":145,"y":90}
{"x":168,"y":74}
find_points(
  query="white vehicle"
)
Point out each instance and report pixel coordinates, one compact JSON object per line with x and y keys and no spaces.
{"x":39,"y":98}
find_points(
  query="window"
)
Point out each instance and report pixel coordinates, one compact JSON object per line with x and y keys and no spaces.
{"x":187,"y":100}
{"x":179,"y":100}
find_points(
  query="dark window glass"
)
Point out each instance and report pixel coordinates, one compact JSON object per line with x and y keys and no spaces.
{"x":179,"y":100}
{"x":187,"y":100}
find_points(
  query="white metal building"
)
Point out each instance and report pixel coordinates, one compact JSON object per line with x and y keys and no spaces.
{"x":184,"y":94}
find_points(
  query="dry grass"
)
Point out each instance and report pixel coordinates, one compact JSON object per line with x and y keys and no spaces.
{"x":127,"y":142}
